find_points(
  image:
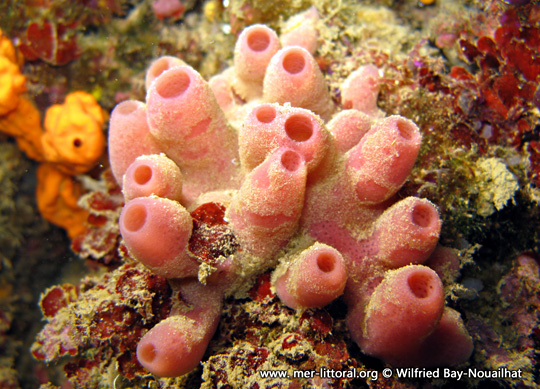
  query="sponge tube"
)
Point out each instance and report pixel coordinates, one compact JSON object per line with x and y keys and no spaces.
{"x":315,"y":278}
{"x":403,"y":310}
{"x":176,"y":345}
{"x":264,"y":213}
{"x":128,"y":126}
{"x":379,"y":165}
{"x":254,"y":49}
{"x":156,"y":232}
{"x":294,"y":76}
{"x":153,"y":175}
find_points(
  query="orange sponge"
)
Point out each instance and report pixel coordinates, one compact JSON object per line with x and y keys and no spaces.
{"x":57,"y":195}
{"x":24,"y":124}
{"x":12,"y":82}
{"x":73,"y":139}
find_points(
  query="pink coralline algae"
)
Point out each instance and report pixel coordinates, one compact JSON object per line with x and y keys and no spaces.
{"x":260,"y":168}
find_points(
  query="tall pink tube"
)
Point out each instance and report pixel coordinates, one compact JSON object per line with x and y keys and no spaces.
{"x":128,"y":126}
{"x":264,"y":213}
{"x":254,"y":49}
{"x":186,"y":120}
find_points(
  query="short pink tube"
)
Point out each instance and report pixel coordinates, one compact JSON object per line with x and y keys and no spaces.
{"x":156,"y":232}
{"x":448,"y":345}
{"x":174,"y":347}
{"x":349,"y":127}
{"x":407,"y":232}
{"x":294,"y":76}
{"x":153,"y":175}
{"x":222,"y":90}
{"x":316,"y":277}
{"x":445,"y":262}
{"x":403,"y":310}
{"x":128,"y":126}
{"x":379,"y":165}
{"x":300,"y":30}
{"x":361,"y":89}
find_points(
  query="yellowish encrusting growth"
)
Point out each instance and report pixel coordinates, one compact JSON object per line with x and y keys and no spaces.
{"x":496,"y":185}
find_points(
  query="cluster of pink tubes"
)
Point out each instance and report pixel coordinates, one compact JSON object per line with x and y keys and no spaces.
{"x":266,"y":140}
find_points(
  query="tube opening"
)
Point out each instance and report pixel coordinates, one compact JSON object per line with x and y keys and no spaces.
{"x":173,"y":83}
{"x":423,"y":215}
{"x":299,"y":127}
{"x":127,"y":107}
{"x":420,"y":284}
{"x":258,"y":40}
{"x":294,"y":62}
{"x":146,"y":352}
{"x":291,"y":160}
{"x":326,"y":262}
{"x":159,"y":66}
{"x":142,"y":174}
{"x":265,"y":114}
{"x":134,"y":217}
{"x":406,"y":129}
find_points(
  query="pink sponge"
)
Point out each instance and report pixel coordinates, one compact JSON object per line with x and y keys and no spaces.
{"x":222,"y":90}
{"x":404,"y":309}
{"x":301,"y":30}
{"x":156,"y":231}
{"x":174,"y":347}
{"x":448,"y":345}
{"x":254,"y":49}
{"x":159,"y":66}
{"x":316,"y":277}
{"x":361,"y":89}
{"x":186,"y":120}
{"x":260,"y":134}
{"x":265,"y":211}
{"x":407,"y":232}
{"x":270,"y":126}
{"x":153,"y":175}
{"x":128,"y":126}
{"x":381,"y":162}
{"x":294,"y":76}
{"x":167,"y":8}
{"x":349,"y":127}
{"x":183,"y":114}
{"x":177,"y":344}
